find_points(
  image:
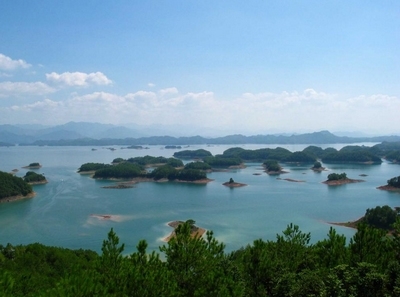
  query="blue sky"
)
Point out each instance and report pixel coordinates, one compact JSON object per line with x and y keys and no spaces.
{"x":245,"y":67}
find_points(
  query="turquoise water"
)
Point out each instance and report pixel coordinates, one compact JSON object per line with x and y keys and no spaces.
{"x":61,"y":213}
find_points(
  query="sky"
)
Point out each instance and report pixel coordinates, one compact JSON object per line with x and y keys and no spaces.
{"x":250,"y":67}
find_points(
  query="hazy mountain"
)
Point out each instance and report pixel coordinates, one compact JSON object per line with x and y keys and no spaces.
{"x":82,"y":133}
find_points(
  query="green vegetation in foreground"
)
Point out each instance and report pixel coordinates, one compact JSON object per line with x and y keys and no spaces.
{"x":32,"y":177}
{"x":368,"y":265}
{"x":337,"y":176}
{"x":11,"y":185}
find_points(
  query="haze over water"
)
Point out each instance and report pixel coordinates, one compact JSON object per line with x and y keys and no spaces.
{"x":61,"y":213}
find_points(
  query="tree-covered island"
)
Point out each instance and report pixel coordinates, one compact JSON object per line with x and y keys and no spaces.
{"x":272,"y":167}
{"x":34,"y":178}
{"x":232,"y":184}
{"x":164,"y":169}
{"x":317,"y":167}
{"x":13,"y":188}
{"x":336,"y":179}
{"x":34,"y":165}
{"x":393,"y":184}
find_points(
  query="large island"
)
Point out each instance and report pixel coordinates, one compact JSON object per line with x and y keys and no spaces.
{"x":13,"y":188}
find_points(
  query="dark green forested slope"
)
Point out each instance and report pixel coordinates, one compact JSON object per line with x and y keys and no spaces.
{"x":366,"y":265}
{"x":11,"y":185}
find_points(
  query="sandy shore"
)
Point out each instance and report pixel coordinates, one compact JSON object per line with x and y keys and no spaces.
{"x":196,"y":231}
{"x":16,"y":198}
{"x":389,"y":188}
{"x":342,"y":182}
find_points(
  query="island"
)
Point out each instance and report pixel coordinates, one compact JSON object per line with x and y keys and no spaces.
{"x":126,"y":185}
{"x":380,"y":217}
{"x":317,"y":167}
{"x":192,"y":154}
{"x":393,"y":185}
{"x":34,"y":178}
{"x":194,"y":230}
{"x":14,"y":188}
{"x":34,"y":165}
{"x":139,"y":169}
{"x":232,"y":184}
{"x":336,"y":179}
{"x":272,"y":167}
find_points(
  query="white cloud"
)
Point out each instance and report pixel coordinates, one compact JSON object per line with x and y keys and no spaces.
{"x":80,"y":79}
{"x":250,"y":113}
{"x":151,"y":85}
{"x":6,"y":63}
{"x":16,"y":88}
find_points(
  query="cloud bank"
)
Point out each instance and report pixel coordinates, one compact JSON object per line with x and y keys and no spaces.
{"x":79,"y":79}
{"x":6,"y":63}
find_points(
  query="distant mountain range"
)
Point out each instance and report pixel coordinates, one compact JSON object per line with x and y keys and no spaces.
{"x":93,"y":134}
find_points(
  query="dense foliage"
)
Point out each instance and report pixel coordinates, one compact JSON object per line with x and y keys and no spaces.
{"x":198,"y":166}
{"x":299,"y":157}
{"x":219,"y":161}
{"x":170,"y":173}
{"x":337,"y":176}
{"x":91,"y":167}
{"x":394,"y":182}
{"x":11,"y":185}
{"x":35,"y":164}
{"x":194,"y":154}
{"x":317,"y":165}
{"x":257,"y":155}
{"x":351,"y":156}
{"x":272,"y":166}
{"x":121,"y":170}
{"x":393,"y":156}
{"x":381,"y":217}
{"x":31,"y":176}
{"x":366,"y":266}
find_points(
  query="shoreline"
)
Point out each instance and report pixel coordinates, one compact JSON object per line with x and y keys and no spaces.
{"x":389,"y":188}
{"x":17,"y":198}
{"x":342,"y":182}
{"x":38,"y":183}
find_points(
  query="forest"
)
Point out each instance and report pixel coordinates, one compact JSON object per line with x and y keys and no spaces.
{"x":368,"y":264}
{"x":11,"y":185}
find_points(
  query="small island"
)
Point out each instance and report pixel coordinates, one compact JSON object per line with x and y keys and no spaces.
{"x":272,"y":167}
{"x":317,"y":167}
{"x":126,"y":185}
{"x":393,"y":185}
{"x":34,"y":178}
{"x":194,"y":230}
{"x":232,"y":184}
{"x":336,"y":179}
{"x":34,"y":165}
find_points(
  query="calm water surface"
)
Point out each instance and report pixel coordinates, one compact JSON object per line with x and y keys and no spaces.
{"x":60,"y":214}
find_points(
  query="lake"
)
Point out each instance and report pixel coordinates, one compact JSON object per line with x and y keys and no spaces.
{"x":61,"y":214}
